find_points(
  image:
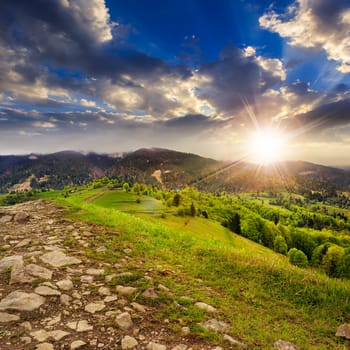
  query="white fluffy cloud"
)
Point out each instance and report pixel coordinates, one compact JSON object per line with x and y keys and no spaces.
{"x":315,"y":24}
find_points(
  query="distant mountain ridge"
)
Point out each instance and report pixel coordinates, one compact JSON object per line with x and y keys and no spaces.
{"x":157,"y":166}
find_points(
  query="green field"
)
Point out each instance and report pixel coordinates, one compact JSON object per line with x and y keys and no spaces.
{"x":256,"y":290}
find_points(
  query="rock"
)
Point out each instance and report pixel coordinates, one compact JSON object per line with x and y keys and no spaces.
{"x":180,"y":347}
{"x":43,"y":335}
{"x":21,"y":301}
{"x":86,"y":279}
{"x":284,"y":345}
{"x":129,"y":342}
{"x":21,"y":217}
{"x":44,"y":346}
{"x":80,"y":326}
{"x":27,"y":325}
{"x":65,"y":299}
{"x":343,"y":331}
{"x":163,"y":288}
{"x":46,"y":291}
{"x":54,"y":320}
{"x":233,"y":341}
{"x":77,"y":344}
{"x":110,"y":298}
{"x":94,"y":307}
{"x":26,"y":340}
{"x":124,"y":321}
{"x":125,"y":290}
{"x":27,"y":274}
{"x":185,"y":330}
{"x":138,"y":307}
{"x":65,"y":285}
{"x":59,"y":259}
{"x":10,"y":261}
{"x":215,"y":325}
{"x":23,"y":243}
{"x":150,"y":293}
{"x":104,"y":291}
{"x":5,"y":317}
{"x":205,"y":307}
{"x":155,"y":346}
{"x":94,"y":272}
{"x":5,"y":219}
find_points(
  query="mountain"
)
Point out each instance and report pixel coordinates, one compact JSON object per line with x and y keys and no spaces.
{"x":172,"y":169}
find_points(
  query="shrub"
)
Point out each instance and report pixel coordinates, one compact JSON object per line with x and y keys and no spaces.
{"x":331,"y":260}
{"x":298,"y":258}
{"x":280,"y":245}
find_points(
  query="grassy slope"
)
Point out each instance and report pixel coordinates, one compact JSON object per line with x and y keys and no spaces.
{"x":257,"y":291}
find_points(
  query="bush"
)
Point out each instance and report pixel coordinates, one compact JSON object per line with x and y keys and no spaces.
{"x":298,"y":258}
{"x":280,"y":245}
{"x":331,"y":260}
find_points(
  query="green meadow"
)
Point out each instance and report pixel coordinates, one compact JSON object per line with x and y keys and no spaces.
{"x":257,"y":291}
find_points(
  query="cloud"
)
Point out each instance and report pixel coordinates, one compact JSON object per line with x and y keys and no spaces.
{"x":87,"y":103}
{"x":315,"y":24}
{"x":238,"y":79}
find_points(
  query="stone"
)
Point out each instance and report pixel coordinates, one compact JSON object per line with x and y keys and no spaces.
{"x":65,"y":299}
{"x":124,"y":321}
{"x":125,"y":290}
{"x":138,"y":307}
{"x":10,"y":261}
{"x":233,"y":341}
{"x":163,"y":288}
{"x":86,"y":279}
{"x":65,"y":285}
{"x":205,"y":307}
{"x":94,"y":307}
{"x":27,"y":274}
{"x":26,"y":340}
{"x":21,"y":217}
{"x":23,"y":243}
{"x":77,"y":344}
{"x":104,"y":291}
{"x":42,"y":335}
{"x":94,"y":272}
{"x":80,"y":326}
{"x":27,"y":325}
{"x":21,"y":301}
{"x":185,"y":330}
{"x":110,"y":298}
{"x":215,"y":325}
{"x":180,"y":347}
{"x":129,"y":342}
{"x":155,"y":346}
{"x":343,"y":331}
{"x":54,"y":320}
{"x":284,"y":345}
{"x":46,"y":291}
{"x":5,"y":219}
{"x":45,"y":346}
{"x":150,"y":293}
{"x":59,"y":259}
{"x":5,"y":317}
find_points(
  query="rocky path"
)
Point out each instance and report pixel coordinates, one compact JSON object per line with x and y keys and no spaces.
{"x":52,"y":296}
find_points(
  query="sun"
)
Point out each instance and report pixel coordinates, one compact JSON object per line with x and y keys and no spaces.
{"x":266,"y":146}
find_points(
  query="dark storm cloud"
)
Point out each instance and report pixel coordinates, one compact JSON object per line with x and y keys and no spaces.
{"x":322,"y":118}
{"x":237,"y":79}
{"x":54,"y":34}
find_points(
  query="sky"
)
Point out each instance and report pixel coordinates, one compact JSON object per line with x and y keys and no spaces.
{"x":191,"y":75}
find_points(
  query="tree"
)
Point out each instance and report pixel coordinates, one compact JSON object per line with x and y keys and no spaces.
{"x":280,"y":245}
{"x":126,"y":187}
{"x":234,"y":223}
{"x":331,"y":260}
{"x":297,"y":258}
{"x":176,"y":200}
{"x":193,"y":210}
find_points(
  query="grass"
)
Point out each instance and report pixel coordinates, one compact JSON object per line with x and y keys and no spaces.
{"x":257,"y":291}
